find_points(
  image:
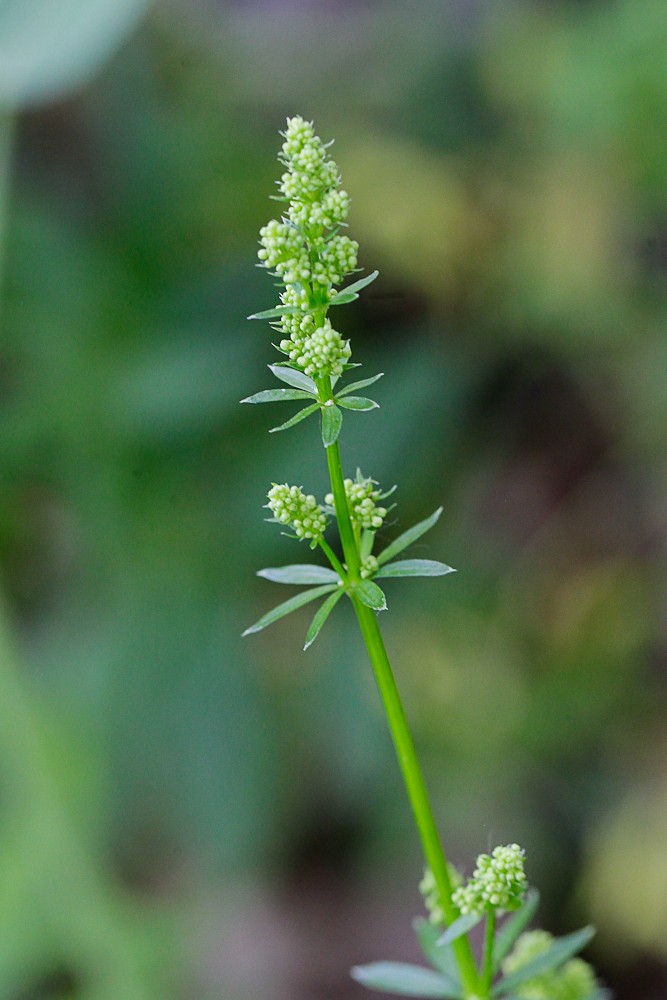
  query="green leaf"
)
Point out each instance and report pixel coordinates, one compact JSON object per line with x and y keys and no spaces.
{"x":371,"y":595}
{"x":514,"y":926}
{"x":405,"y":980}
{"x":297,"y":418}
{"x":561,"y":950}
{"x":441,"y":956}
{"x":359,"y":385}
{"x":343,"y":298}
{"x":332,"y":421}
{"x":415,"y":567}
{"x":295,"y":378}
{"x":356,"y":286}
{"x":275,"y":313}
{"x":366,"y":547}
{"x":408,"y":537}
{"x":459,"y":928}
{"x":277,"y":396}
{"x":358,"y":403}
{"x":299,"y":573}
{"x":287,"y":607}
{"x":321,"y":616}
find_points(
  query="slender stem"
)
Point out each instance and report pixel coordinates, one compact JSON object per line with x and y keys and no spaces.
{"x":487,"y":965}
{"x":400,"y":731}
{"x":333,"y":559}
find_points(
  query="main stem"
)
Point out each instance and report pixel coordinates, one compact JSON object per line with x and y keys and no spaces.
{"x":400,"y":731}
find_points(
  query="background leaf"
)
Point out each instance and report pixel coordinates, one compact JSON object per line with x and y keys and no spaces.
{"x":277,"y":395}
{"x":299,"y":573}
{"x":295,"y":378}
{"x":414,"y":567}
{"x":321,"y":616}
{"x":287,"y":607}
{"x":408,"y":537}
{"x":404,"y":980}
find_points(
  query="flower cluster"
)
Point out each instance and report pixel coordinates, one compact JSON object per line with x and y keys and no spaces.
{"x":322,"y":352}
{"x":431,"y":895}
{"x":306,"y":251}
{"x":369,"y":566}
{"x":575,"y":980}
{"x":361,"y":497}
{"x":498,"y":882}
{"x":290,"y":505}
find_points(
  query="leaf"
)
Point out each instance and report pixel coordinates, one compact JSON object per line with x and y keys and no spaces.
{"x":295,"y":378}
{"x":299,"y":573}
{"x":415,"y":567}
{"x":404,"y":980}
{"x":561,"y":950}
{"x":356,"y":286}
{"x":441,"y":956}
{"x":321,"y":616}
{"x":332,"y":421}
{"x":459,"y":928}
{"x":514,"y":926}
{"x":275,"y":313}
{"x":371,"y":595}
{"x":277,"y":396}
{"x":297,"y":418}
{"x":48,"y":49}
{"x":366,"y":546}
{"x":343,"y":298}
{"x":359,"y":385}
{"x":358,"y":403}
{"x":287,"y":607}
{"x":408,"y":537}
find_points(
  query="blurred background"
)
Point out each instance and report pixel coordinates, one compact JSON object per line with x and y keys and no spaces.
{"x":186,"y":815}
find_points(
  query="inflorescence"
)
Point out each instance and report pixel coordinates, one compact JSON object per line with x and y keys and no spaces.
{"x":498,"y":882}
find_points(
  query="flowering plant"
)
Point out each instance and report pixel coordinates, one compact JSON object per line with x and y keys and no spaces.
{"x":311,"y":258}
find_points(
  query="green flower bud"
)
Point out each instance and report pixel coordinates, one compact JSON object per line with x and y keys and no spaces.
{"x":368,"y":567}
{"x":290,"y":505}
{"x":575,"y":980}
{"x":362,"y":496}
{"x":498,"y":882}
{"x":429,"y":891}
{"x":323,"y":352}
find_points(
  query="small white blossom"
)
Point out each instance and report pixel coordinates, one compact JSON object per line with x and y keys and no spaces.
{"x":290,"y":505}
{"x":323,"y":352}
{"x":498,"y":882}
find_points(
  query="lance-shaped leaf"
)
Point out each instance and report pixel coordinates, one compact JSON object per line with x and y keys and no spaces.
{"x":332,"y":421}
{"x":343,"y":298}
{"x":441,"y":956}
{"x":371,"y":595}
{"x":460,"y":927}
{"x":358,"y":385}
{"x":358,"y":403}
{"x":299,"y":573}
{"x":321,"y":616}
{"x":560,"y":951}
{"x":415,"y":567}
{"x":356,"y":286}
{"x":275,"y":313}
{"x":514,"y":926}
{"x":287,"y":607}
{"x":408,"y":537}
{"x":405,"y":980}
{"x":277,"y":396}
{"x":297,"y":418}
{"x":293,"y":377}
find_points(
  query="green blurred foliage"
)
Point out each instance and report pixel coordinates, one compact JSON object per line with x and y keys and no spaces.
{"x":183,"y":813}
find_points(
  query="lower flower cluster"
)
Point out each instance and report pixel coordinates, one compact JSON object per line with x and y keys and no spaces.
{"x":290,"y":505}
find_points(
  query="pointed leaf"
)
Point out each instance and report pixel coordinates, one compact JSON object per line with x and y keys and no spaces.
{"x":359,"y":385}
{"x":441,"y":956}
{"x":358,"y":403}
{"x":514,"y":926}
{"x":415,"y":567}
{"x":343,"y":298}
{"x":366,"y":547}
{"x":459,"y":928}
{"x":294,"y":377}
{"x":408,"y":537}
{"x":275,"y":313}
{"x":332,"y":421}
{"x":356,"y":286}
{"x":277,"y":395}
{"x":296,"y":419}
{"x":288,"y":606}
{"x":371,"y":595}
{"x":404,"y":980}
{"x":321,"y":616}
{"x":299,"y":573}
{"x":561,"y":950}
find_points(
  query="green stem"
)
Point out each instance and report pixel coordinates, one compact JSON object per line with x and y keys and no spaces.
{"x":400,"y":731}
{"x":487,"y":965}
{"x":333,"y":559}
